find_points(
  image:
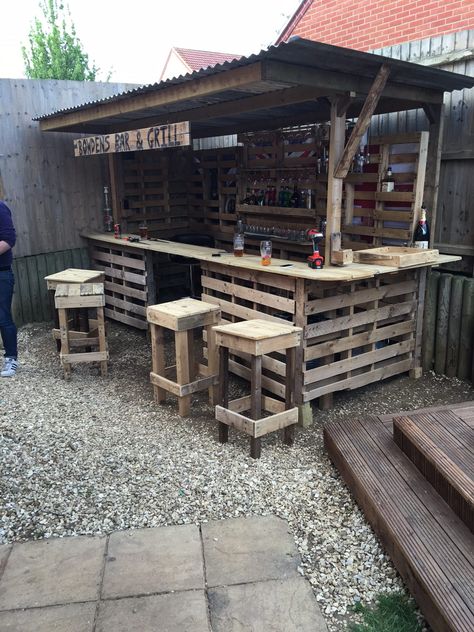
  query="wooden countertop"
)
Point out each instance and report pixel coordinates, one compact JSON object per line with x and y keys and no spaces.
{"x":297,"y":269}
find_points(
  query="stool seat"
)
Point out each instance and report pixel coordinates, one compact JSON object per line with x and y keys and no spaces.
{"x":182,"y":317}
{"x":183,"y":314}
{"x":73,"y":275}
{"x":258,"y":336}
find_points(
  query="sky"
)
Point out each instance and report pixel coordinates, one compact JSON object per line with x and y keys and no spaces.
{"x":132,"y":39}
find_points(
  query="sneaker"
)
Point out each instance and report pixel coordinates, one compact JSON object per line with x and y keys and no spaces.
{"x":10,"y":366}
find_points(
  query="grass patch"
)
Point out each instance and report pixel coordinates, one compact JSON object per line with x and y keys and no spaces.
{"x":393,"y":612}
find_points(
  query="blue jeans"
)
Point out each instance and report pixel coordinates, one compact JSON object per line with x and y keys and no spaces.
{"x":7,"y":326}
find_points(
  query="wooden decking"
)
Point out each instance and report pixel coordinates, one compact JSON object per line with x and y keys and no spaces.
{"x":406,"y":501}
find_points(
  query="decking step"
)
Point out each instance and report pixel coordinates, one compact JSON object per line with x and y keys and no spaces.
{"x":428,"y":543}
{"x":439,"y":444}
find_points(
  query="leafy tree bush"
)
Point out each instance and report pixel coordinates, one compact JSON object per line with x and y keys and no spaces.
{"x":55,"y":52}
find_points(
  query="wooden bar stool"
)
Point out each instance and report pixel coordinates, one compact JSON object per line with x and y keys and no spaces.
{"x":183,"y":317}
{"x":82,"y":296}
{"x":72,"y":276}
{"x":257,"y":338}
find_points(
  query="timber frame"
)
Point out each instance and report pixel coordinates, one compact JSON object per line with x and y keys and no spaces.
{"x":301,"y":82}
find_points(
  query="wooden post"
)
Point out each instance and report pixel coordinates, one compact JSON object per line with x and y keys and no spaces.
{"x":334,"y":199}
{"x":429,"y":321}
{"x":417,"y":370}
{"x":454,"y":328}
{"x":442,"y":323}
{"x":114,"y":190}
{"x":433,"y":165}
{"x":466,"y":345}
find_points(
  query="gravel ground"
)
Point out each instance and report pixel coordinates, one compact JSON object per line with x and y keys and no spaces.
{"x":91,"y":456}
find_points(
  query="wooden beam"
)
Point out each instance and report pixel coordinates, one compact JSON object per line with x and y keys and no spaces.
{"x":237,"y":78}
{"x":292,"y":74}
{"x":344,"y":102}
{"x":334,"y":190}
{"x":430,"y":113}
{"x":266,"y":101}
{"x":363,"y":121}
{"x":433,"y":167}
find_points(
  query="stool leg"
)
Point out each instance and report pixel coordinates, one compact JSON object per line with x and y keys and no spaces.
{"x":158,"y":359}
{"x":289,"y":431}
{"x":255,"y":401}
{"x":255,"y":448}
{"x":63,"y":328}
{"x":55,"y":319}
{"x":191,"y":358}
{"x":212,"y":363}
{"x":182,"y":370}
{"x":223,"y":390}
{"x":102,"y":341}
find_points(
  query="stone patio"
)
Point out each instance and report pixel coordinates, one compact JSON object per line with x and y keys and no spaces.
{"x":225,"y":576}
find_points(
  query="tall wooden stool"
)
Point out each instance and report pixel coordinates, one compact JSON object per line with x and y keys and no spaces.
{"x":183,"y":317}
{"x":82,"y":296}
{"x":72,"y":276}
{"x":257,"y":338}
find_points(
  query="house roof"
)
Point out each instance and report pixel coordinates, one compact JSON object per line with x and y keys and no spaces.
{"x":293,"y":21}
{"x":198,"y":59}
{"x":285,"y":85}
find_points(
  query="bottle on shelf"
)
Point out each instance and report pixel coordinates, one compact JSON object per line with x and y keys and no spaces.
{"x":388,"y":183}
{"x":239,"y":239}
{"x":421,"y":236}
{"x":295,"y":200}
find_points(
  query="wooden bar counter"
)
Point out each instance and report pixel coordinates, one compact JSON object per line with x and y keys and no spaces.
{"x":361,"y":323}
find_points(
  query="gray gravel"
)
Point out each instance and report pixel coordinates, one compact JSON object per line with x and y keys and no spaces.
{"x":91,"y":456}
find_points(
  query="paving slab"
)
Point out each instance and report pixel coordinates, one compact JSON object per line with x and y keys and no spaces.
{"x":49,"y":572}
{"x":242,"y":550}
{"x":270,"y":606}
{"x":147,"y":561}
{"x":173,"y":612}
{"x":78,"y":617}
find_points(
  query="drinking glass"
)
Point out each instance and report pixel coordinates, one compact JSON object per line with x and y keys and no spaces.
{"x":266,"y":252}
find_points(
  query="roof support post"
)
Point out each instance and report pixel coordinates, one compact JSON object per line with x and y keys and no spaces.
{"x":333,"y":253}
{"x":433,"y":163}
{"x":363,"y":121}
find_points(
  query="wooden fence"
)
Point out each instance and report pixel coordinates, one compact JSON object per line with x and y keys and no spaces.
{"x":31,"y":300}
{"x":448,"y":334}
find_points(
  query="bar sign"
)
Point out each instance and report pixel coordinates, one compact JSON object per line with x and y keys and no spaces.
{"x":156,"y":137}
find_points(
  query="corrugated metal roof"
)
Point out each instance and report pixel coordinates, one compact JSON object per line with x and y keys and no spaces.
{"x":307,"y":54}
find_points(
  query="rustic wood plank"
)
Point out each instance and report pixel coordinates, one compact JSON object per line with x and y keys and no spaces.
{"x":363,"y":121}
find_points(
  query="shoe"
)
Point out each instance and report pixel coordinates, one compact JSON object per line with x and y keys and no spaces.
{"x":10,"y":366}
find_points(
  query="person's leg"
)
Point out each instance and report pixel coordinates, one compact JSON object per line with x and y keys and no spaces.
{"x":7,"y":326}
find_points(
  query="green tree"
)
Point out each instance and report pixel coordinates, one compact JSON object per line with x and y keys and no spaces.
{"x":55,"y":52}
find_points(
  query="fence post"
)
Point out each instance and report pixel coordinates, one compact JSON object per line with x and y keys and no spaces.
{"x":429,"y":326}
{"x":466,"y":340}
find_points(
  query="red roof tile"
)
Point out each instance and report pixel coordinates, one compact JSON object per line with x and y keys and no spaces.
{"x":197,"y":59}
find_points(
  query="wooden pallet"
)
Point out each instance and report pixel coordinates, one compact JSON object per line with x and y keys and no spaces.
{"x":441,"y":445}
{"x":430,"y":546}
{"x":128,"y":286}
{"x":373,"y":217}
{"x":354,"y":333}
